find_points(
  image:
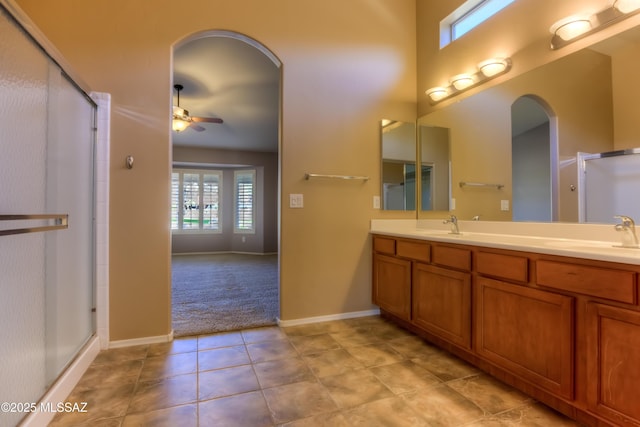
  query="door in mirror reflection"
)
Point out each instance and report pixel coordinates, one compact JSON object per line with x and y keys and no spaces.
{"x":435,"y":168}
{"x":532,"y":164}
{"x":398,"y":165}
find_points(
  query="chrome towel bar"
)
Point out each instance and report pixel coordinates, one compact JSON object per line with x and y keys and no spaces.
{"x":54,"y":222}
{"x":480,"y":184}
{"x":308,"y":176}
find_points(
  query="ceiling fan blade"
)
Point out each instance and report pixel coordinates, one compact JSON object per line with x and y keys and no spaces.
{"x":196,"y":127}
{"x":207,"y":119}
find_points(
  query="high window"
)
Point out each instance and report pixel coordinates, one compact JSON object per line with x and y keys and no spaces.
{"x":468,"y":16}
{"x":244,"y":210}
{"x":195,"y":200}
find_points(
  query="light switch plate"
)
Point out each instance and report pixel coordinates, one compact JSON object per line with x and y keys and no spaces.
{"x":504,"y":205}
{"x":376,"y":202}
{"x":296,"y":201}
{"x":453,"y":204}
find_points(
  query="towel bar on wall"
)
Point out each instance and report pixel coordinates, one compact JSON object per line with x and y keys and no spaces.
{"x":308,"y":176}
{"x":480,"y":184}
{"x":54,"y":222}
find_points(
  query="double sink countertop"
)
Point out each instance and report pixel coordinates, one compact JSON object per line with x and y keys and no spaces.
{"x":590,"y":241}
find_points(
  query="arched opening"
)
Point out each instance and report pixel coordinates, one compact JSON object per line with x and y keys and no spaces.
{"x":225,"y":216}
{"x":534,"y":156}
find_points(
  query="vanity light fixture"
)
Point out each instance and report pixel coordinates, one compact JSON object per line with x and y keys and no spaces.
{"x":461,"y":81}
{"x":573,"y":28}
{"x":486,"y":70}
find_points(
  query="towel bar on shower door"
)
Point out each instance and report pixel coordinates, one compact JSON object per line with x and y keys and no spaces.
{"x":53,"y":222}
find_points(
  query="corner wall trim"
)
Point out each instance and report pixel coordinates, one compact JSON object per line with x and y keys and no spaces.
{"x":327,"y":318}
{"x":142,"y":341}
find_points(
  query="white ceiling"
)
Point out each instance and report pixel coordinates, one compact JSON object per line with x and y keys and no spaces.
{"x":227,"y":78}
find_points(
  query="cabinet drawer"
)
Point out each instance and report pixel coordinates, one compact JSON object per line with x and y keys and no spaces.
{"x":616,"y":285}
{"x":452,"y":257}
{"x":414,"y":249}
{"x":385,"y":245}
{"x":508,"y":267}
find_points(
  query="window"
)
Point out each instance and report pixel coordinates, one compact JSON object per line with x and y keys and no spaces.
{"x":195,"y":200}
{"x":244,"y":201}
{"x":468,"y":16}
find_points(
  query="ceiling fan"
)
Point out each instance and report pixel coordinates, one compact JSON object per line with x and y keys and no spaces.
{"x":182,"y":119}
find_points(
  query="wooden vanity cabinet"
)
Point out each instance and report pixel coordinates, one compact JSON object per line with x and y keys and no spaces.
{"x":526,"y":331}
{"x":613,"y":363}
{"x":564,"y":330}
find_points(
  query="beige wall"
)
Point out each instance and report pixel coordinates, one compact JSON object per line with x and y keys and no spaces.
{"x":346,"y":65}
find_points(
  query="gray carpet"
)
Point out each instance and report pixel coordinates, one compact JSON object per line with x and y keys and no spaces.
{"x":223,"y":292}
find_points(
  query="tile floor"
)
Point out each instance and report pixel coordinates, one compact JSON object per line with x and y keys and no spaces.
{"x":356,"y":372}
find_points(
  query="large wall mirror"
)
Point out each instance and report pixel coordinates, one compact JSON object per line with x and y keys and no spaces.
{"x":535,"y":129}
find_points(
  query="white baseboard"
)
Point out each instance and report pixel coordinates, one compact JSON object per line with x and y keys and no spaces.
{"x":317,"y":319}
{"x":142,"y":341}
{"x":60,"y":390}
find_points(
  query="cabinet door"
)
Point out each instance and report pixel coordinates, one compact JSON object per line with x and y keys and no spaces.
{"x":613,"y":363}
{"x":442,"y":303}
{"x":392,"y":285}
{"x":527,"y":331}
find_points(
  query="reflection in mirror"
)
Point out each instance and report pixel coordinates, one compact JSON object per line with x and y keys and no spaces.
{"x":435,"y":178}
{"x":531,"y":160}
{"x":591,"y":97}
{"x":398,"y":165}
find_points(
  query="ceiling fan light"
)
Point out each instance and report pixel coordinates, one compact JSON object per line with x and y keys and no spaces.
{"x":179,"y":124}
{"x":571,"y":27}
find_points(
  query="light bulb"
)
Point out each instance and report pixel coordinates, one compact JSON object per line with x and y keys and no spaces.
{"x":437,"y":93}
{"x":179,"y":125}
{"x":571,"y":27}
{"x":492,"y":67}
{"x":461,"y":81}
{"x":627,"y":6}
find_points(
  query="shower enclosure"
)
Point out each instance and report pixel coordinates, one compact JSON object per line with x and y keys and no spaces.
{"x":47,"y":141}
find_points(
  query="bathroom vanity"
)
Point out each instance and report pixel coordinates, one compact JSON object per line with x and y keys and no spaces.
{"x":556,"y":318}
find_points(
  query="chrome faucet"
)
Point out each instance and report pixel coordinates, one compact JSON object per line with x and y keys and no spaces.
{"x":453,"y":220}
{"x":628,"y":227}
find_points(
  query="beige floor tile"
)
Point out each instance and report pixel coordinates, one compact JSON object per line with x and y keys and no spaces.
{"x":226,"y":382}
{"x":178,"y":345}
{"x":102,"y":403}
{"x":299,"y":400}
{"x":446,"y":367}
{"x":534,"y":415}
{"x":242,"y":410}
{"x":392,"y":411}
{"x":183,"y":416}
{"x":355,"y":388}
{"x":110,"y":374}
{"x":443,"y":406}
{"x":404,"y":377}
{"x":223,"y":357}
{"x":271,"y":350}
{"x":489,"y":394}
{"x":169,"y":365}
{"x":412,"y":346}
{"x":327,"y":419}
{"x":332,"y":362}
{"x":120,"y":354}
{"x":282,"y":371}
{"x":268,"y":333}
{"x":314,"y":343}
{"x":355,"y":337}
{"x":304,"y":330}
{"x":224,"y":339}
{"x":375,"y":355}
{"x":164,"y":393}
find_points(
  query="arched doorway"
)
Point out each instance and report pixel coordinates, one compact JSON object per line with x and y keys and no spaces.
{"x":225,"y":184}
{"x":534,"y":156}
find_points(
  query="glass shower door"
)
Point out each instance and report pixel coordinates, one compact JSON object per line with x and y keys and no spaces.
{"x":47,"y":128}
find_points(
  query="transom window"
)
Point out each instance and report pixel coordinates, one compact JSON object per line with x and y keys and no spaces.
{"x":468,"y":16}
{"x":195,"y":200}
